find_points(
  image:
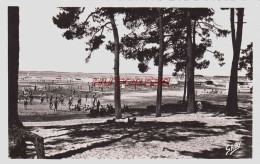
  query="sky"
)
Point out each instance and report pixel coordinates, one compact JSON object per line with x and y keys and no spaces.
{"x":43,"y":48}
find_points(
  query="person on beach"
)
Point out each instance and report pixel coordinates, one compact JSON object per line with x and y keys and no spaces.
{"x":95,"y":99}
{"x":56,"y":102}
{"x":102,"y":110}
{"x":84,"y":107}
{"x":86,"y":97}
{"x":79,"y":100}
{"x":51,"y":97}
{"x":98,"y":105}
{"x":51,"y":103}
{"x":88,"y":107}
{"x":31,"y":98}
{"x":25,"y":102}
{"x":42,"y":97}
{"x":76,"y":107}
{"x":47,"y":97}
{"x":70,"y":102}
{"x":61,"y":99}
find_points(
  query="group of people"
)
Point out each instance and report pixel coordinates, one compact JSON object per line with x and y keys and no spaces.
{"x":70,"y":103}
{"x":54,"y":102}
{"x":104,"y":109}
{"x":26,"y":97}
{"x":100,"y":109}
{"x":95,"y":108}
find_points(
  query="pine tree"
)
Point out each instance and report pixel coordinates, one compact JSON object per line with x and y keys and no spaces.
{"x":141,"y":46}
{"x":92,"y":29}
{"x":232,"y":104}
{"x":17,"y":135}
{"x":135,"y":45}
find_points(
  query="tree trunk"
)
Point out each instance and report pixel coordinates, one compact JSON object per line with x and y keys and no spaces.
{"x":16,"y":134}
{"x":13,"y":65}
{"x":160,"y":67}
{"x":185,"y":85}
{"x":117,"y":98}
{"x":190,"y":69}
{"x":17,"y":145}
{"x":232,"y":104}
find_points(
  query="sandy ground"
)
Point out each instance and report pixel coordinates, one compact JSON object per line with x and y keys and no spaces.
{"x":174,"y":135}
{"x":199,"y":135}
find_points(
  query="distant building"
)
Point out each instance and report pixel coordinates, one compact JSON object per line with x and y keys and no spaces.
{"x":209,"y":82}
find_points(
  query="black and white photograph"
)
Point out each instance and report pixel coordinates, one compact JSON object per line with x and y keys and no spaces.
{"x":98,"y":81}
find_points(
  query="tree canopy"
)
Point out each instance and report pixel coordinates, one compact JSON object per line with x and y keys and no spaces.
{"x":246,"y":61}
{"x":142,"y":43}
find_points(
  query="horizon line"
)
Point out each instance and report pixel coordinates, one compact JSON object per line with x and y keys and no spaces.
{"x":120,"y":73}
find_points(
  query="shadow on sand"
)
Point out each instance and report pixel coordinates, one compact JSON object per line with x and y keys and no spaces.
{"x":155,"y":131}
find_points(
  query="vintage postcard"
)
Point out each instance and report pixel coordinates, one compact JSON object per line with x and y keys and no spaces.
{"x":131,"y":79}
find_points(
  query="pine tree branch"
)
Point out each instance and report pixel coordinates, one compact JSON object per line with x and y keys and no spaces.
{"x":211,"y":27}
{"x":92,"y":13}
{"x":101,"y":28}
{"x":210,"y":51}
{"x":169,"y":35}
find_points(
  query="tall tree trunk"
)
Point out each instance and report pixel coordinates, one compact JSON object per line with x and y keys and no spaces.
{"x":160,"y":67}
{"x":232,"y":104}
{"x":194,"y":52}
{"x":13,"y":66}
{"x":16,"y":134}
{"x":117,"y":98}
{"x":185,"y":85}
{"x":190,"y":69}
